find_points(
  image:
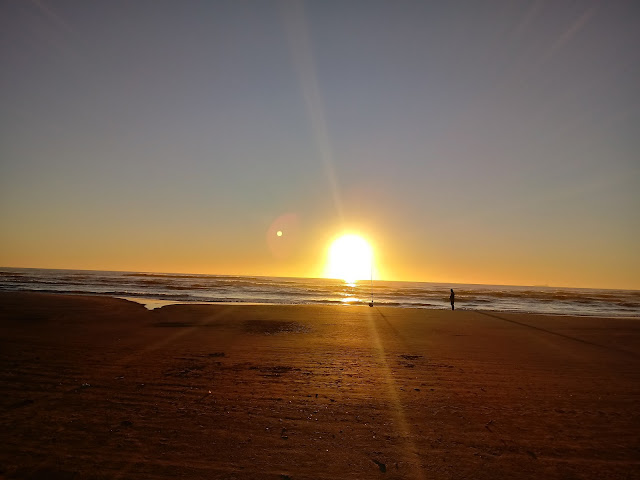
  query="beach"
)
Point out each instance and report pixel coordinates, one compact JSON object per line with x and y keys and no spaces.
{"x":98,"y":387}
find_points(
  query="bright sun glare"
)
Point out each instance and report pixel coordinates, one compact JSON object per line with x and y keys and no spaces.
{"x":350,"y":258}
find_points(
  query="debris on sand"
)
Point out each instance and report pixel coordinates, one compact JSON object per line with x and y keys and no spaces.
{"x":381,"y":466}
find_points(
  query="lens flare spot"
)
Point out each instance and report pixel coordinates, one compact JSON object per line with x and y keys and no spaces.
{"x":280,"y":245}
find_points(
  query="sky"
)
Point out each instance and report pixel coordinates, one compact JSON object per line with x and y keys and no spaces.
{"x":491,"y":142}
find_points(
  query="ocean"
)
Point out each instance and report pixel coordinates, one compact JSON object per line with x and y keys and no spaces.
{"x":157,"y":289}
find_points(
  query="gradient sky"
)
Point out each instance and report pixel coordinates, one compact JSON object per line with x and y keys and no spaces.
{"x":468,"y":141}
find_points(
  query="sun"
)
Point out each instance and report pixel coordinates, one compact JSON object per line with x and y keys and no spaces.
{"x":350,"y":258}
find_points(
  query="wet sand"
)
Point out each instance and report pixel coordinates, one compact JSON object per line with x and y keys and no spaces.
{"x":97,"y":388}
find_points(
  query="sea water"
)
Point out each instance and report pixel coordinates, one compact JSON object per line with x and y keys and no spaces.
{"x":161,"y":288}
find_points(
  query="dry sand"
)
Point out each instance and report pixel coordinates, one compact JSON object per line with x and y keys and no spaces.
{"x":95,"y":387}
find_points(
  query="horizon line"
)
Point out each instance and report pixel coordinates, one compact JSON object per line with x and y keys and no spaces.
{"x":321,"y":278}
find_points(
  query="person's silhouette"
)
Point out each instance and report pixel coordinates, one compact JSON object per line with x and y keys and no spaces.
{"x":452,"y":297}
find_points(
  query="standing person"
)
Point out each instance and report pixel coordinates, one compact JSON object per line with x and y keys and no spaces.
{"x":452,"y":297}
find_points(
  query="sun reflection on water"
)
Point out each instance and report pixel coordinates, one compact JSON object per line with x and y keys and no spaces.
{"x":349,"y":296}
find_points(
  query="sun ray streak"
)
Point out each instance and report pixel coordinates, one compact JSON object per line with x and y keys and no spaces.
{"x":302,"y":56}
{"x":409,"y":450}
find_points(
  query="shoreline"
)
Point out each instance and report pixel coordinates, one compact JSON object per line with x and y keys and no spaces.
{"x":154,"y":303}
{"x":275,"y":290}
